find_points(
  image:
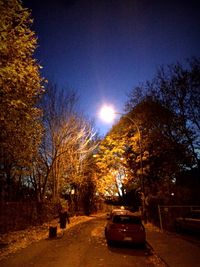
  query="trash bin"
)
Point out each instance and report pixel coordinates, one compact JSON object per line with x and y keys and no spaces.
{"x":52,"y":231}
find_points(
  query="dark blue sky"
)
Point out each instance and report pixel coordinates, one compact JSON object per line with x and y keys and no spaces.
{"x":104,"y":48}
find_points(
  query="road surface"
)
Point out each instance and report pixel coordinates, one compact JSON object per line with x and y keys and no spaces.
{"x":83,"y":245}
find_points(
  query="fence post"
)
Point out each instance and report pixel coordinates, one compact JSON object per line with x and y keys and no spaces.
{"x":160,"y":218}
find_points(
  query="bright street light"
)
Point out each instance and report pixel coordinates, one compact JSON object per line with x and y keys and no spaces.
{"x":107,"y":113}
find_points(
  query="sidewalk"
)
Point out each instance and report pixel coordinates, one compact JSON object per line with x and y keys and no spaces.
{"x":172,"y":249}
{"x":11,"y":242}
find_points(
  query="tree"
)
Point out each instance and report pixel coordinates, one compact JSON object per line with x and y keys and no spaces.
{"x":108,"y":162}
{"x":115,"y":177}
{"x":178,"y":88}
{"x":146,"y":157}
{"x":66,"y":143}
{"x":164,"y":152}
{"x":20,"y":89}
{"x":168,"y":108}
{"x":88,"y":188}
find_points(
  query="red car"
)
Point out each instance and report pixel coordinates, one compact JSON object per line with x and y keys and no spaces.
{"x":125,"y":226}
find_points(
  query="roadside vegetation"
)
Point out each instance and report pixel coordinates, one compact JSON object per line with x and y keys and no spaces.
{"x":159,"y":163}
{"x":46,"y":144}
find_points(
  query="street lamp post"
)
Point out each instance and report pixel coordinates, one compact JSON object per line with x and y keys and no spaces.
{"x":141,"y":162}
{"x":108,"y":112}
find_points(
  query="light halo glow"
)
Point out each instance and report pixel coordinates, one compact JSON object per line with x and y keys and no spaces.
{"x":107,"y":113}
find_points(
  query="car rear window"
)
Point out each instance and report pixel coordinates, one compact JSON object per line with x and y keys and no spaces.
{"x":126,"y":219}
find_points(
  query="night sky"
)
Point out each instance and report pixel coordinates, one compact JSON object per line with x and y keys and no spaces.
{"x":103,"y":49}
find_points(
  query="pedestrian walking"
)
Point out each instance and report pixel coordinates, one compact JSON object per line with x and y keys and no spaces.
{"x":63,"y":219}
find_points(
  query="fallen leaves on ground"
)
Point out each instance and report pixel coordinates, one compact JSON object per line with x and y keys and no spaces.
{"x":13,"y":241}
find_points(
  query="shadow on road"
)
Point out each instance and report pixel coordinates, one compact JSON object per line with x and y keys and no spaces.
{"x":130,"y":249}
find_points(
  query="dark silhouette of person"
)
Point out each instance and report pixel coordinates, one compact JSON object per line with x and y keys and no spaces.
{"x":64,"y":218}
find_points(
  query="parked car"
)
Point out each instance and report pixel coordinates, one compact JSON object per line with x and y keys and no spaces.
{"x":113,"y":211}
{"x":125,"y":226}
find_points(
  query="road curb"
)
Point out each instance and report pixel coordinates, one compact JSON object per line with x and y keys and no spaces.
{"x":149,"y":246}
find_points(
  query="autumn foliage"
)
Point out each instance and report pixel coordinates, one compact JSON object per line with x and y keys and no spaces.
{"x":152,"y":157}
{"x":20,"y":89}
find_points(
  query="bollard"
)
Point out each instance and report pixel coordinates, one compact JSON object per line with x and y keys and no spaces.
{"x":52,"y":231}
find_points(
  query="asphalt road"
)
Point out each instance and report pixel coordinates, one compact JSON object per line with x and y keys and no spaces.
{"x":83,"y":245}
